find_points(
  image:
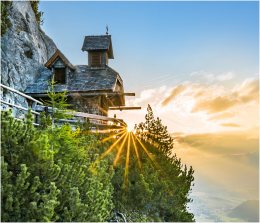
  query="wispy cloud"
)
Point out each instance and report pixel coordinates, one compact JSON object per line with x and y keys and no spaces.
{"x":230,"y":125}
{"x":196,"y":107}
{"x":212,"y":77}
{"x":174,"y":93}
{"x":221,"y":116}
{"x":214,"y":105}
{"x":222,"y":143}
{"x":245,"y":93}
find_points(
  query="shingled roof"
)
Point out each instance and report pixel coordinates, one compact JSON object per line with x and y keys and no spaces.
{"x":103,"y":42}
{"x":84,"y":79}
{"x":59,"y":54}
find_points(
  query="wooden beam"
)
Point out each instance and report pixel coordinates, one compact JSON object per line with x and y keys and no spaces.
{"x":102,"y":93}
{"x":19,"y":107}
{"x":93,"y":116}
{"x":124,"y":108}
{"x":91,"y":94}
{"x":86,"y":115}
{"x":20,"y":93}
{"x":129,"y":94}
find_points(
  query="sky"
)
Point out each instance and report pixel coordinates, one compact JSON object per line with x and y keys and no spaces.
{"x":162,"y":45}
{"x":197,"y":65}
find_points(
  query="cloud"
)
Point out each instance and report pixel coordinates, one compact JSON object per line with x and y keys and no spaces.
{"x":245,"y":93}
{"x":174,"y":93}
{"x":230,"y":125}
{"x":222,"y":143}
{"x":225,"y":77}
{"x":195,"y":107}
{"x":212,"y":77}
{"x":249,"y":90}
{"x":214,"y":105}
{"x":222,"y":116}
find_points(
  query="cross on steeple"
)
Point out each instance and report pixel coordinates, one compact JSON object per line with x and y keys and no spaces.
{"x":107,"y":29}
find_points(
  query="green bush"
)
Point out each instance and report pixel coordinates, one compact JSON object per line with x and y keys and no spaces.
{"x":38,"y":14}
{"x":52,"y":174}
{"x":5,"y":21}
{"x":46,"y":174}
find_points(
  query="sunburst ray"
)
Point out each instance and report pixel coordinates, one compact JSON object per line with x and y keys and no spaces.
{"x":127,"y":160}
{"x":112,"y":136}
{"x":146,"y":151}
{"x":112,"y":146}
{"x":136,"y":150}
{"x":120,"y":149}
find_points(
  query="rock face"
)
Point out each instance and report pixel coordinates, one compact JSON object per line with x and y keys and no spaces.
{"x":24,"y":50}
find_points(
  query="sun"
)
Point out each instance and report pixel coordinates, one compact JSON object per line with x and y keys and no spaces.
{"x":130,"y":128}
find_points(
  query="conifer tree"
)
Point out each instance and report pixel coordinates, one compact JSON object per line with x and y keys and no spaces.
{"x":58,"y":102}
{"x":159,"y":190}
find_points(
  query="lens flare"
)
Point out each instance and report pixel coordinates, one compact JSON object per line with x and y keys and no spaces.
{"x":125,"y":141}
{"x":120,"y":149}
{"x":130,"y":128}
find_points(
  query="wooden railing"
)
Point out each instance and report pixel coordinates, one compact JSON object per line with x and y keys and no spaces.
{"x":21,"y":94}
{"x":36,"y":107}
{"x":19,"y":107}
{"x":97,"y":120}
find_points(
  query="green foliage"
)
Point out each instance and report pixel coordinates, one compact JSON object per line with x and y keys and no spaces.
{"x":158,"y":191}
{"x":46,"y":174}
{"x":58,"y":102}
{"x":51,"y":174}
{"x":5,"y":21}
{"x":154,"y":132}
{"x":38,"y":14}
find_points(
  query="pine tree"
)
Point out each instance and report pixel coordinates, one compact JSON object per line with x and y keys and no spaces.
{"x":154,"y":132}
{"x":58,"y":102}
{"x":159,"y":190}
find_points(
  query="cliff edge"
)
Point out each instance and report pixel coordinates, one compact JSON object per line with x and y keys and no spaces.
{"x":24,"y":50}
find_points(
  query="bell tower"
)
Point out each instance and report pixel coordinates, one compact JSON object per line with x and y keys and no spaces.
{"x":99,"y":50}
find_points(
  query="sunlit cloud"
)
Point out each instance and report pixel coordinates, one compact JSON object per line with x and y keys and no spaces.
{"x":242,"y":94}
{"x":221,"y":116}
{"x":174,"y":93}
{"x":222,"y":143}
{"x":198,"y":107}
{"x":215,"y":105}
{"x":230,"y":125}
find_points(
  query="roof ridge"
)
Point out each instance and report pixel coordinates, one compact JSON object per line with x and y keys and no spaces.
{"x":63,"y":57}
{"x":115,"y":72}
{"x":98,"y":35}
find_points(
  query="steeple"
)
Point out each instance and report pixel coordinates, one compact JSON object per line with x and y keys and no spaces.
{"x":99,"y":49}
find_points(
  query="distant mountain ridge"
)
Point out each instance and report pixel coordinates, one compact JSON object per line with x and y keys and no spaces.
{"x":248,"y":211}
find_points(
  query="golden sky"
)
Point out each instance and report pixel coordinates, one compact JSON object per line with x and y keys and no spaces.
{"x":215,"y":124}
{"x":191,"y":107}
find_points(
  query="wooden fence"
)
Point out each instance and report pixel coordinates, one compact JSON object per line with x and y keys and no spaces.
{"x":98,"y":122}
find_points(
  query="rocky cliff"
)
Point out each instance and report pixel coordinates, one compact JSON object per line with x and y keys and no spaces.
{"x":24,"y":50}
